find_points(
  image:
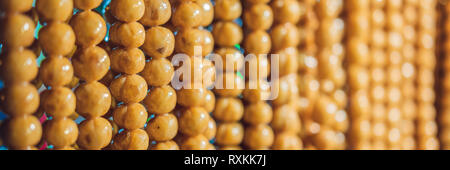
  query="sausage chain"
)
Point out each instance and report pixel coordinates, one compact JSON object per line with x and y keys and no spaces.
{"x":18,"y":67}
{"x":286,"y":122}
{"x":308,"y":84}
{"x":158,"y":72}
{"x":194,"y":120}
{"x":229,"y":109}
{"x":409,"y":107}
{"x":394,"y":46}
{"x":358,"y":31}
{"x":57,"y":40}
{"x":378,"y":63}
{"x":129,"y":88}
{"x":427,"y":129}
{"x":258,"y":18}
{"x":91,"y":63}
{"x":445,"y":79}
{"x":332,"y":99}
